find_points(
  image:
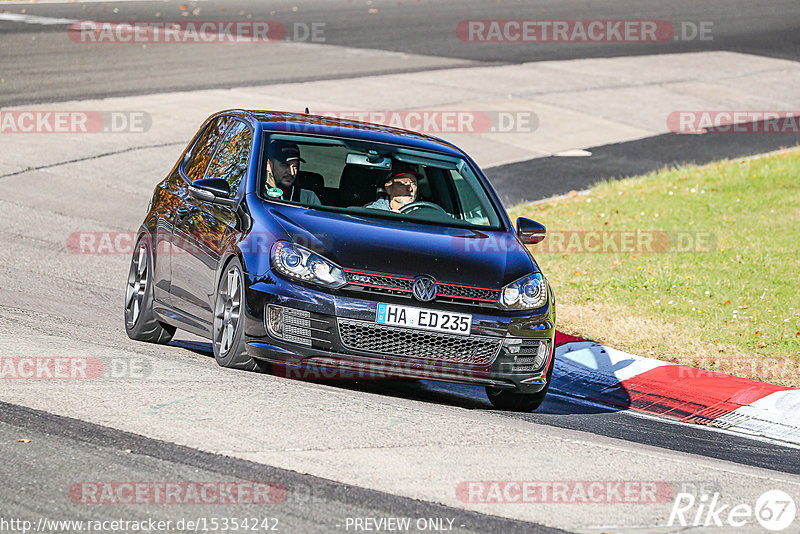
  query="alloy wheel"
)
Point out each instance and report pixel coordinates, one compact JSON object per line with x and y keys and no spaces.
{"x":137,"y":285}
{"x":226,"y":313}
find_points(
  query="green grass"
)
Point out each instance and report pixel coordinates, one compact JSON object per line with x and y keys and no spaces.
{"x":730,"y":304}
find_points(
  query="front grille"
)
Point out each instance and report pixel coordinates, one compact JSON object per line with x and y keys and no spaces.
{"x":394,"y":285}
{"x":418,"y":344}
{"x":466,"y":292}
{"x":380,"y":281}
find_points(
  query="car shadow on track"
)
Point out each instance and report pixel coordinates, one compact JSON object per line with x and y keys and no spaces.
{"x":575,"y":389}
{"x":198,"y":347}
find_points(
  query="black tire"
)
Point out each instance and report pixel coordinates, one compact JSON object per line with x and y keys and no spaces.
{"x":520,"y":402}
{"x":228,"y":328}
{"x":140,"y":322}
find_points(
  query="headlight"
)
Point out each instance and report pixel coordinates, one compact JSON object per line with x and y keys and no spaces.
{"x":526,"y":293}
{"x":300,"y":263}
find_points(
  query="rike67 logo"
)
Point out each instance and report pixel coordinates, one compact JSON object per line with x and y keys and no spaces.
{"x":775,"y":510}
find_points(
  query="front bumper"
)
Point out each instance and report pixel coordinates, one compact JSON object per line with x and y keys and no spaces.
{"x":330,"y":335}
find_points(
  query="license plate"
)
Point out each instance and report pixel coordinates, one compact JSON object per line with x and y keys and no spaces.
{"x":438,"y":321}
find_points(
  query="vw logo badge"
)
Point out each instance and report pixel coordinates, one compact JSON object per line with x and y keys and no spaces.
{"x":425,"y":289}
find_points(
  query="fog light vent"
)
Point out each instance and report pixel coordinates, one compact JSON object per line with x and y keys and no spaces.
{"x":530,"y":355}
{"x":275,"y":320}
{"x":289,"y":324}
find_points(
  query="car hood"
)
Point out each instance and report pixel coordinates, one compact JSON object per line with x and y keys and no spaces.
{"x":359,"y":243}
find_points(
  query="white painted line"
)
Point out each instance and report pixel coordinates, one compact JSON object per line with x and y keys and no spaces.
{"x":51,"y":21}
{"x":34,"y":19}
{"x":775,"y":416}
{"x":574,"y":153}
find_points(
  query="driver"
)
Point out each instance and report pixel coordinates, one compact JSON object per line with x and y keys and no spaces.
{"x":283,"y":166}
{"x":401,"y":186}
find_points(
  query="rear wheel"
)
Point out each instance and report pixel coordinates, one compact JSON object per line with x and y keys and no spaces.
{"x":140,"y":322}
{"x":229,"y":346}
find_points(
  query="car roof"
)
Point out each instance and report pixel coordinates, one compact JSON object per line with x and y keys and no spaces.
{"x":307,"y":124}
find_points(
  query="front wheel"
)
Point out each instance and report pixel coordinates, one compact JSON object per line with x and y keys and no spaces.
{"x":229,"y":346}
{"x":140,"y":322}
{"x":520,"y":402}
{"x":515,"y":402}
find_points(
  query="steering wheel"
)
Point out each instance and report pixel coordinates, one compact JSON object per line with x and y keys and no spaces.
{"x":420,"y":206}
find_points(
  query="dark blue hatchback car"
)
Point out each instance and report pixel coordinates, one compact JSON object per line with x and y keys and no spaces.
{"x":296,"y":241}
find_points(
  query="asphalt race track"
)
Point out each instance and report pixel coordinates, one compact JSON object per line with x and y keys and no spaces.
{"x":37,"y":67}
{"x":341,"y":449}
{"x":310,"y":502}
{"x":421,"y":28}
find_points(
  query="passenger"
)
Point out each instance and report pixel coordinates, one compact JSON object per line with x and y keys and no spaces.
{"x":401,"y":186}
{"x":283,"y":166}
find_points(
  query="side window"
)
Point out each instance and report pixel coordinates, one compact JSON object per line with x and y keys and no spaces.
{"x":203,"y":150}
{"x":230,"y":161}
{"x":472,"y":209}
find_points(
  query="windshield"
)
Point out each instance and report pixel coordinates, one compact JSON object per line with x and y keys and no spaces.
{"x":374,"y":179}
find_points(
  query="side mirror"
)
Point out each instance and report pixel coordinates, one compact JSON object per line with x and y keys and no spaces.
{"x":530,"y":232}
{"x":214,"y":190}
